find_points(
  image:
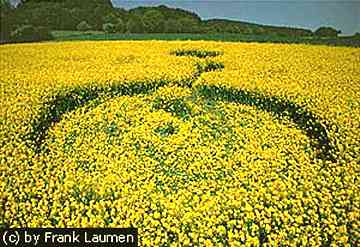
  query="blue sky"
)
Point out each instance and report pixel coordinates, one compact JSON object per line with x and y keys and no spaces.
{"x":343,"y":15}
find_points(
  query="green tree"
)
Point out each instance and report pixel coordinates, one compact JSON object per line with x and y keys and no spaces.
{"x":100,"y":15}
{"x":189,"y":25}
{"x":135,"y":25}
{"x":110,"y":18}
{"x":120,"y":26}
{"x":83,"y":26}
{"x":327,"y":32}
{"x":153,"y":21}
{"x":66,"y":20}
{"x":258,"y":30}
{"x":78,"y":15}
{"x":27,"y":33}
{"x":109,"y":28}
{"x":6,"y":20}
{"x":172,"y":26}
{"x":5,"y":5}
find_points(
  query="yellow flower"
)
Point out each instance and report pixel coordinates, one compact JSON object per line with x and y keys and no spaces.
{"x":124,"y":133}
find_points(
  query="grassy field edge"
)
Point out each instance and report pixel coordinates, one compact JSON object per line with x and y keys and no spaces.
{"x":228,"y":37}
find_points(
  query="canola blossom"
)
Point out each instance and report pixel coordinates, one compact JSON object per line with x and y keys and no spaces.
{"x":193,"y":143}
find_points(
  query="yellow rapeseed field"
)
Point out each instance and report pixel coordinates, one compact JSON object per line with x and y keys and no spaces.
{"x":193,"y":143}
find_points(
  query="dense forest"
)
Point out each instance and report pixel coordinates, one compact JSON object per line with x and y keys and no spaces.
{"x":34,"y":19}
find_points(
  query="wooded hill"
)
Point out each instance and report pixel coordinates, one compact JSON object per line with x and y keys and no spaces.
{"x":102,"y":15}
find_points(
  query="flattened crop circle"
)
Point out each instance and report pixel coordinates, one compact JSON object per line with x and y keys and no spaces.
{"x":158,"y":156}
{"x":172,"y":156}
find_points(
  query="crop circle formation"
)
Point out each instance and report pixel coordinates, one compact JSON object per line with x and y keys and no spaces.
{"x":193,"y":143}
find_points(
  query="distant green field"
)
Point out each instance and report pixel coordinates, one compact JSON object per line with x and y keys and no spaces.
{"x":97,"y":35}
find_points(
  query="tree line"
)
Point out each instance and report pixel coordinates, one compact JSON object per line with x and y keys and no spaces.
{"x":33,"y":19}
